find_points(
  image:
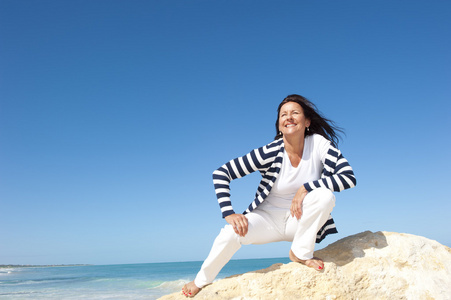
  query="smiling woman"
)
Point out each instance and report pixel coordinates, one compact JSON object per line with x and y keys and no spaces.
{"x":300,"y":171}
{"x":318,"y":124}
{"x":292,"y":120}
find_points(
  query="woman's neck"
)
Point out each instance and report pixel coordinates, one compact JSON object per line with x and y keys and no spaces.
{"x":294,"y":145}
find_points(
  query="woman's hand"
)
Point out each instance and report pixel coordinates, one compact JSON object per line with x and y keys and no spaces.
{"x":239,"y":223}
{"x":296,"y":203}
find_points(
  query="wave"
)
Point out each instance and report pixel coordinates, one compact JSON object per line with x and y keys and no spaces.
{"x":101,"y":288}
{"x":45,"y":280}
{"x":173,"y":284}
{"x":169,"y":287}
{"x":20,"y":293}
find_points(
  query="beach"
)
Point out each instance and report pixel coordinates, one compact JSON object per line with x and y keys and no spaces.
{"x":126,"y":281}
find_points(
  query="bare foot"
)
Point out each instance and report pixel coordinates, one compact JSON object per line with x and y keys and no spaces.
{"x":190,"y":289}
{"x":315,"y":262}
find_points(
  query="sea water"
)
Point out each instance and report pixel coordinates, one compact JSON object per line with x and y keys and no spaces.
{"x":133,"y":281}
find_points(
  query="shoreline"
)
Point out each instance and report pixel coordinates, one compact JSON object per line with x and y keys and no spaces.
{"x":41,"y":266}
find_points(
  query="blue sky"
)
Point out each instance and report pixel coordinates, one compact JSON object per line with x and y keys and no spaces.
{"x":114,"y":114}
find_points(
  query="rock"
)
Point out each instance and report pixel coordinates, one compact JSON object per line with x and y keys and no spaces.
{"x":381,"y":265}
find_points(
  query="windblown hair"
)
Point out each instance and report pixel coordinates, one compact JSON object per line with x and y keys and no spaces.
{"x":318,"y":123}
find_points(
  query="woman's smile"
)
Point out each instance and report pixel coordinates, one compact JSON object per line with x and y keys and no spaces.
{"x":292,"y":119}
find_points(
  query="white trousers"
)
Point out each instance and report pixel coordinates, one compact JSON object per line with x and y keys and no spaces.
{"x":267,"y":224}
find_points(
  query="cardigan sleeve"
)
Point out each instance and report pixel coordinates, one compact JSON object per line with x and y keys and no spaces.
{"x":257,"y":160}
{"x":337,"y":174}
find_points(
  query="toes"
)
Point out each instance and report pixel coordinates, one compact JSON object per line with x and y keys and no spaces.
{"x":185,"y":291}
{"x":188,"y":290}
{"x":315,"y":263}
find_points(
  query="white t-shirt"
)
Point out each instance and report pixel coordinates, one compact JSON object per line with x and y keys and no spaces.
{"x":290,"y":179}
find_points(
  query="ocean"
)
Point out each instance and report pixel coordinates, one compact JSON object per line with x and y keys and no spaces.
{"x":132,"y":281}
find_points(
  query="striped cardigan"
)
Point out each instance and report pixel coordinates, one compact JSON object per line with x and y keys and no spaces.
{"x":337,"y":175}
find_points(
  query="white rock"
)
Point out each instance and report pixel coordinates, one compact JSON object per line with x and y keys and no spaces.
{"x":381,"y":265}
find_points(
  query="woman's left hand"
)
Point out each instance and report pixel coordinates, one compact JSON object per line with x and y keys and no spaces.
{"x":296,"y":203}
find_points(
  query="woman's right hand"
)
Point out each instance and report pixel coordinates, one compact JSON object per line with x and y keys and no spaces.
{"x":239,"y":223}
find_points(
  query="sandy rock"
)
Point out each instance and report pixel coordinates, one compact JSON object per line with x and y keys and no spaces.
{"x":381,"y":265}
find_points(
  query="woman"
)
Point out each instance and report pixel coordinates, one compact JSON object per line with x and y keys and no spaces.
{"x":300,"y":169}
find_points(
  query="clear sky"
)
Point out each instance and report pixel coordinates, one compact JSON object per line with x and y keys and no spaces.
{"x":114,"y":114}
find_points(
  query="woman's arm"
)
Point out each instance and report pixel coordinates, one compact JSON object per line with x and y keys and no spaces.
{"x":236,"y":168}
{"x":257,"y":160}
{"x":337,"y":174}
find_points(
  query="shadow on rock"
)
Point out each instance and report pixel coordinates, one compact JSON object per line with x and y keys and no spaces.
{"x":346,"y":250}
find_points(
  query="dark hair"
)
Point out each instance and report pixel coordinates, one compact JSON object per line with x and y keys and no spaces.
{"x":318,"y":123}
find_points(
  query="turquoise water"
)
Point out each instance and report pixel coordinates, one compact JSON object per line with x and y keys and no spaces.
{"x":134,"y":281}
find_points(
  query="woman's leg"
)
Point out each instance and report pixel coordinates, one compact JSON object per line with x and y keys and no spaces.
{"x":224,"y":247}
{"x":261,"y":230}
{"x":316,"y":208}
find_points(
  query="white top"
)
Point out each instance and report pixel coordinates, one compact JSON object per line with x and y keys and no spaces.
{"x":309,"y":169}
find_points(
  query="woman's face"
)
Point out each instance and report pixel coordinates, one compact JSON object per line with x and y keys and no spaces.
{"x":292,"y":120}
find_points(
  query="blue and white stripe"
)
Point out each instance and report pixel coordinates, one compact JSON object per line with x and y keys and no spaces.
{"x":337,"y":175}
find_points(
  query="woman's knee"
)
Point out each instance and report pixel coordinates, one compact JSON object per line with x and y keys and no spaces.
{"x":258,"y":232}
{"x":228,"y":233}
{"x":323,"y":196}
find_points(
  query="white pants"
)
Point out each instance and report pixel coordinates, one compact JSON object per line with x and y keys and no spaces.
{"x":267,"y":224}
